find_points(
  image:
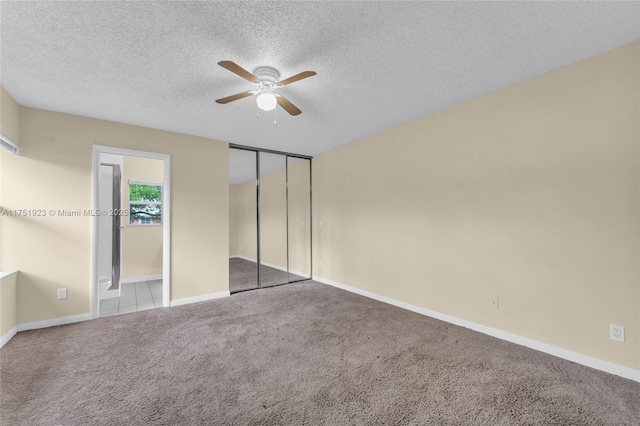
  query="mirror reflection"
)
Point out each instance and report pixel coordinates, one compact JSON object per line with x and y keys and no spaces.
{"x":273,"y":220}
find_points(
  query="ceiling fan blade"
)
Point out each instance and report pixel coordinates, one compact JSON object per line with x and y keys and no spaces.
{"x":288,"y":106}
{"x":237,"y":69}
{"x":235,"y":97}
{"x":297,"y":77}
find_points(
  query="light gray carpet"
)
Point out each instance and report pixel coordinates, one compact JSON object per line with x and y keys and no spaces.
{"x":300,"y":354}
{"x":243,"y":275}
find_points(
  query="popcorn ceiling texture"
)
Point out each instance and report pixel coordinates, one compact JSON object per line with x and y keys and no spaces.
{"x":379,"y":64}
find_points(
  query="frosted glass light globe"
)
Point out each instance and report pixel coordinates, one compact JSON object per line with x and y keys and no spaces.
{"x":266,"y":101}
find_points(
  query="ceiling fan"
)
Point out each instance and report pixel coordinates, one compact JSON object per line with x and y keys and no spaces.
{"x":267,"y":80}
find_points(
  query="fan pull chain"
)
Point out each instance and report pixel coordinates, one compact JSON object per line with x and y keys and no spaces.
{"x":275,"y":114}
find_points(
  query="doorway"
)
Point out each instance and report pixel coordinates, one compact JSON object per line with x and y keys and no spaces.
{"x":130,"y":231}
{"x":270,"y":218}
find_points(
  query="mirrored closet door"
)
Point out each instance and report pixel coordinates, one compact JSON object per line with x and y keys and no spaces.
{"x":243,"y":220}
{"x":269,"y":218}
{"x":273,"y":219}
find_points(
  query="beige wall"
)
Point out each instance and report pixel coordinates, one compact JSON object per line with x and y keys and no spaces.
{"x":8,"y":303}
{"x":54,"y":172}
{"x":299,"y":218}
{"x":141,"y":245}
{"x":9,"y":117}
{"x":529,"y":194}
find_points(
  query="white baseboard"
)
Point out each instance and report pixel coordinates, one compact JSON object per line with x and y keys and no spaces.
{"x":245,"y":258}
{"x":202,"y":298}
{"x":271,"y":265}
{"x":8,"y":335}
{"x":598,"y":364}
{"x":53,"y":322}
{"x":129,"y":280}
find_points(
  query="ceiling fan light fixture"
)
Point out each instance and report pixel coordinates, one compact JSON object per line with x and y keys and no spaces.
{"x":266,"y":101}
{"x":266,"y":79}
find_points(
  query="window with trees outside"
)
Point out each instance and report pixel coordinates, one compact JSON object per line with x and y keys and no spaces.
{"x":145,"y":203}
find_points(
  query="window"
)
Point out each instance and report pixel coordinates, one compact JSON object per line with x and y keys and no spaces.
{"x":145,"y":203}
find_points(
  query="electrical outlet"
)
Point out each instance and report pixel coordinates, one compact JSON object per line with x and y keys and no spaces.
{"x":62,"y":293}
{"x":303,"y":223}
{"x":320,"y":224}
{"x":616,"y":332}
{"x":494,"y":303}
{"x":319,"y":263}
{"x":304,"y":259}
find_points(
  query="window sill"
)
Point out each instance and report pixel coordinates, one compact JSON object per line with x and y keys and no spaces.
{"x":4,"y":274}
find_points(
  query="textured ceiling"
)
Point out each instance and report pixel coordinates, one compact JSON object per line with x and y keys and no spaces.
{"x":379,"y":64}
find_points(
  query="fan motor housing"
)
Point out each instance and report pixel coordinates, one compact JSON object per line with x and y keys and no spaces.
{"x":267,"y":74}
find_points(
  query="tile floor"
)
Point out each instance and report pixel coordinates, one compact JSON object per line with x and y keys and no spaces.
{"x":133,"y":297}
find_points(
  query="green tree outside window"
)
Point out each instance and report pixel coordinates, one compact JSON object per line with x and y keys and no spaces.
{"x":145,"y":204}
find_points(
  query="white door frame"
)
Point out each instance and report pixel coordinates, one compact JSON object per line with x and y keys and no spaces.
{"x":166,"y":219}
